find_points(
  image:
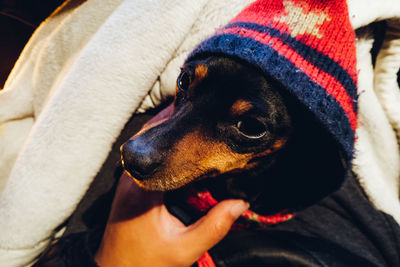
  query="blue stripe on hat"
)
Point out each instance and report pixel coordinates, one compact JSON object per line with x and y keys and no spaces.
{"x":324,"y":106}
{"x":313,"y":56}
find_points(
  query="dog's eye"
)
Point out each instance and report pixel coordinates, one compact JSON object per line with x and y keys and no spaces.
{"x":183,"y":81}
{"x":251,"y":128}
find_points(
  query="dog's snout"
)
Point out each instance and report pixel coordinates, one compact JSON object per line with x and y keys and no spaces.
{"x":140,"y":159}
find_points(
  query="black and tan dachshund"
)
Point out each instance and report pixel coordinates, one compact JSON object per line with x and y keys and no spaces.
{"x":239,"y":134}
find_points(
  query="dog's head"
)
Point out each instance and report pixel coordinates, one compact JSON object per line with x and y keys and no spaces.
{"x":239,"y":133}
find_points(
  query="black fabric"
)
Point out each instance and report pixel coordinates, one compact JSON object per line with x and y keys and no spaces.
{"x":348,"y":219}
{"x":75,"y":251}
{"x":282,"y":248}
{"x":18,"y":20}
{"x":343,"y":229}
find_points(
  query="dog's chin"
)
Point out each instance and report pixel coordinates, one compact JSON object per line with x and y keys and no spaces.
{"x":156,"y":184}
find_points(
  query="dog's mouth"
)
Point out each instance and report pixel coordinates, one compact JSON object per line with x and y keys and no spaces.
{"x":161,"y":180}
{"x":167,"y":185}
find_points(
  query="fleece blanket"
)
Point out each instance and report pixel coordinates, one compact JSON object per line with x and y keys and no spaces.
{"x":93,"y":63}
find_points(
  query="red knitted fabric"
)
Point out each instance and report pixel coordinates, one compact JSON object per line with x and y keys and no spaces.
{"x":308,"y":46}
{"x":203,"y":201}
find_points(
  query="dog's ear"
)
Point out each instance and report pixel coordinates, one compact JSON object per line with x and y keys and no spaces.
{"x":309,"y":168}
{"x":318,"y":165}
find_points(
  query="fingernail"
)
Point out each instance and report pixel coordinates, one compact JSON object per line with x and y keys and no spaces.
{"x":239,"y":208}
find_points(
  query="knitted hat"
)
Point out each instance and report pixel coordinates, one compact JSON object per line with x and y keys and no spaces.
{"x":309,"y":47}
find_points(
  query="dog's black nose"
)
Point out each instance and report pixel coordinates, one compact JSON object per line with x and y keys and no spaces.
{"x":140,"y":159}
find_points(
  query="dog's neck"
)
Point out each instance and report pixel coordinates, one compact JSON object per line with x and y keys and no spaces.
{"x":203,"y":201}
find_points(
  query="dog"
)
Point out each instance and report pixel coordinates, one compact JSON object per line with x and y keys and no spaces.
{"x":238,"y":133}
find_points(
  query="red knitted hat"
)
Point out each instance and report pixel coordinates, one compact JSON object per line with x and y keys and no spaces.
{"x":308,"y":46}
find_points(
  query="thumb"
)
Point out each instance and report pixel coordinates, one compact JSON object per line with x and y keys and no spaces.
{"x":211,"y":228}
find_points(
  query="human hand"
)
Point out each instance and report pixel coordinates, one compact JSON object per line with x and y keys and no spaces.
{"x":141,"y":232}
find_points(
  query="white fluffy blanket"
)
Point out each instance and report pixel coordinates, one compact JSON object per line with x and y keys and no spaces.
{"x":88,"y":67}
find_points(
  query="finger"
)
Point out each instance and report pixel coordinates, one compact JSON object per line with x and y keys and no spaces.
{"x":211,"y":228}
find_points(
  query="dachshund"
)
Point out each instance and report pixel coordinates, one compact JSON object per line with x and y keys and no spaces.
{"x":236,"y":132}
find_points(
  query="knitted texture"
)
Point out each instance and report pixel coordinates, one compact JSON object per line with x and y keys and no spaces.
{"x":203,"y":201}
{"x":309,"y":47}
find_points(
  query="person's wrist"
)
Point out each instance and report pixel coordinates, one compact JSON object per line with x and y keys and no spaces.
{"x":130,"y":207}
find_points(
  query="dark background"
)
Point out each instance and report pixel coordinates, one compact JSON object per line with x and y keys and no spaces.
{"x":18,"y":20}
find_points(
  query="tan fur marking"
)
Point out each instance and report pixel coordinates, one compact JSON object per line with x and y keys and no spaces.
{"x":240,"y":107}
{"x":274,"y":147}
{"x":199,"y":74}
{"x":136,"y":180}
{"x":195,"y":156}
{"x":278,"y":144}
